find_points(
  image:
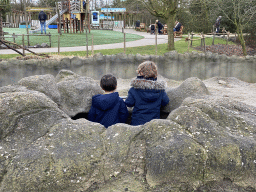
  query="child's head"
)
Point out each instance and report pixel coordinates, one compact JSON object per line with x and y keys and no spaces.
{"x":108,"y":83}
{"x":147,"y":69}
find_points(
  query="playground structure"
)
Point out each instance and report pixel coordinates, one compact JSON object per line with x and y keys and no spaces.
{"x":80,"y":16}
{"x":72,"y":15}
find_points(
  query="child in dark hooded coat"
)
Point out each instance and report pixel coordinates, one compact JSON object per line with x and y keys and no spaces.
{"x":108,"y":109}
{"x":146,"y":95}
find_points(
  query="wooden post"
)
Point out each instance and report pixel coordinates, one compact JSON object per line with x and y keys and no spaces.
{"x":26,"y":20}
{"x":70,"y":16}
{"x":204,"y":43}
{"x":59,"y":20}
{"x":80,"y":22}
{"x":13,"y":37}
{"x":58,"y":44}
{"x":50,"y":39}
{"x":92,"y":46}
{"x":129,"y":16}
{"x":64,"y":23}
{"x":67,"y":25}
{"x":227,"y":38}
{"x":76,"y":25}
{"x":23,"y":44}
{"x":191,"y":39}
{"x":188,"y":41}
{"x":156,"y":31}
{"x":213,"y":32}
{"x":73,"y":21}
{"x":28,"y":39}
{"x":201,"y":39}
{"x":86,"y":42}
{"x":124,"y":43}
{"x":1,"y":26}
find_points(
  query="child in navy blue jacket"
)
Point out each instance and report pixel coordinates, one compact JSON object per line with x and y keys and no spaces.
{"x":146,"y":95}
{"x":108,"y":109}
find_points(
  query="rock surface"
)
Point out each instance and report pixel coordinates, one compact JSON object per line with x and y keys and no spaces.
{"x":190,"y":87}
{"x":207,"y":142}
{"x":42,"y":83}
{"x":76,"y":92}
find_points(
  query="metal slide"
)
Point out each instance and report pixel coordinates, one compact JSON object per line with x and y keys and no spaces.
{"x":48,"y":22}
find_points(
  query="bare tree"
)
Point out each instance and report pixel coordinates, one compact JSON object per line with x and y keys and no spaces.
{"x":4,"y":7}
{"x":165,"y":9}
{"x":240,"y":13}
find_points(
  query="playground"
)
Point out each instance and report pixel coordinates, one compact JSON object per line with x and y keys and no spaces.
{"x":79,"y":26}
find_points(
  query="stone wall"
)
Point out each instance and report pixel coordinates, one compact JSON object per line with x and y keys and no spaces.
{"x":172,"y":65}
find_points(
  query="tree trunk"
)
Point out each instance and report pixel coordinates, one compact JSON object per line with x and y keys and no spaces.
{"x":170,"y":26}
{"x":1,"y":25}
{"x":241,"y":38}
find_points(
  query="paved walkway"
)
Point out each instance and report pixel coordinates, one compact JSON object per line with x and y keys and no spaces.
{"x":147,"y":40}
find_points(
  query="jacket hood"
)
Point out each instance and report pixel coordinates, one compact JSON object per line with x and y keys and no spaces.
{"x":141,"y":83}
{"x":149,"y":90}
{"x":105,"y":102}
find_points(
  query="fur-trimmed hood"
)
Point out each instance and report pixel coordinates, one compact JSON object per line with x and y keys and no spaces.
{"x":141,"y":83}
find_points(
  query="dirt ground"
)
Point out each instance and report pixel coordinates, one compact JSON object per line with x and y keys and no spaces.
{"x":228,"y":50}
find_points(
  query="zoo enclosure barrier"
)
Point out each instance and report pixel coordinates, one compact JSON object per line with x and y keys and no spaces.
{"x":203,"y":37}
{"x":14,"y":36}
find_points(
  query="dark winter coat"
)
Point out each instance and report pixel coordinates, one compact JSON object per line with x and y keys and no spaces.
{"x":178,"y":26}
{"x":42,"y":17}
{"x":159,"y":25}
{"x":217,"y":22}
{"x":146,"y":96}
{"x":108,"y":109}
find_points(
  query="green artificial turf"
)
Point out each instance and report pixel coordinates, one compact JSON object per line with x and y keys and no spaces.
{"x":72,"y":39}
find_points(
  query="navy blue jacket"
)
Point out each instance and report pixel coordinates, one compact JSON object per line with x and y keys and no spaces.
{"x":147,"y":97}
{"x":108,"y":109}
{"x":178,"y":26}
{"x":42,"y":17}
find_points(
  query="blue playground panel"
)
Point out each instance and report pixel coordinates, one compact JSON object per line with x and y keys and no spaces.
{"x":24,"y":26}
{"x":53,"y":26}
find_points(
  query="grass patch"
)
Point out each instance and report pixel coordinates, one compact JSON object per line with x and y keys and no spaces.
{"x":73,"y":39}
{"x":181,"y":47}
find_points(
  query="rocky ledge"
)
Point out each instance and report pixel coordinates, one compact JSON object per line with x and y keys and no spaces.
{"x":205,"y":143}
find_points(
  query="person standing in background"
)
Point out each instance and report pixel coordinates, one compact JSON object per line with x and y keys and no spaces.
{"x":217,"y":24}
{"x":42,"y":17}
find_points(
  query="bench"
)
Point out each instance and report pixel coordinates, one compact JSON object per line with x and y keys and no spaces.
{"x":149,"y":29}
{"x":178,"y":33}
{"x":6,"y":24}
{"x":142,"y":27}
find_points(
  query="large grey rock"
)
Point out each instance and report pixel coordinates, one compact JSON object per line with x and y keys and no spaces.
{"x":14,"y":88}
{"x":67,"y":158}
{"x":26,"y":116}
{"x":76,"y":92}
{"x":226,"y":130}
{"x":190,"y":87}
{"x":205,"y":143}
{"x":42,"y":83}
{"x":121,"y":152}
